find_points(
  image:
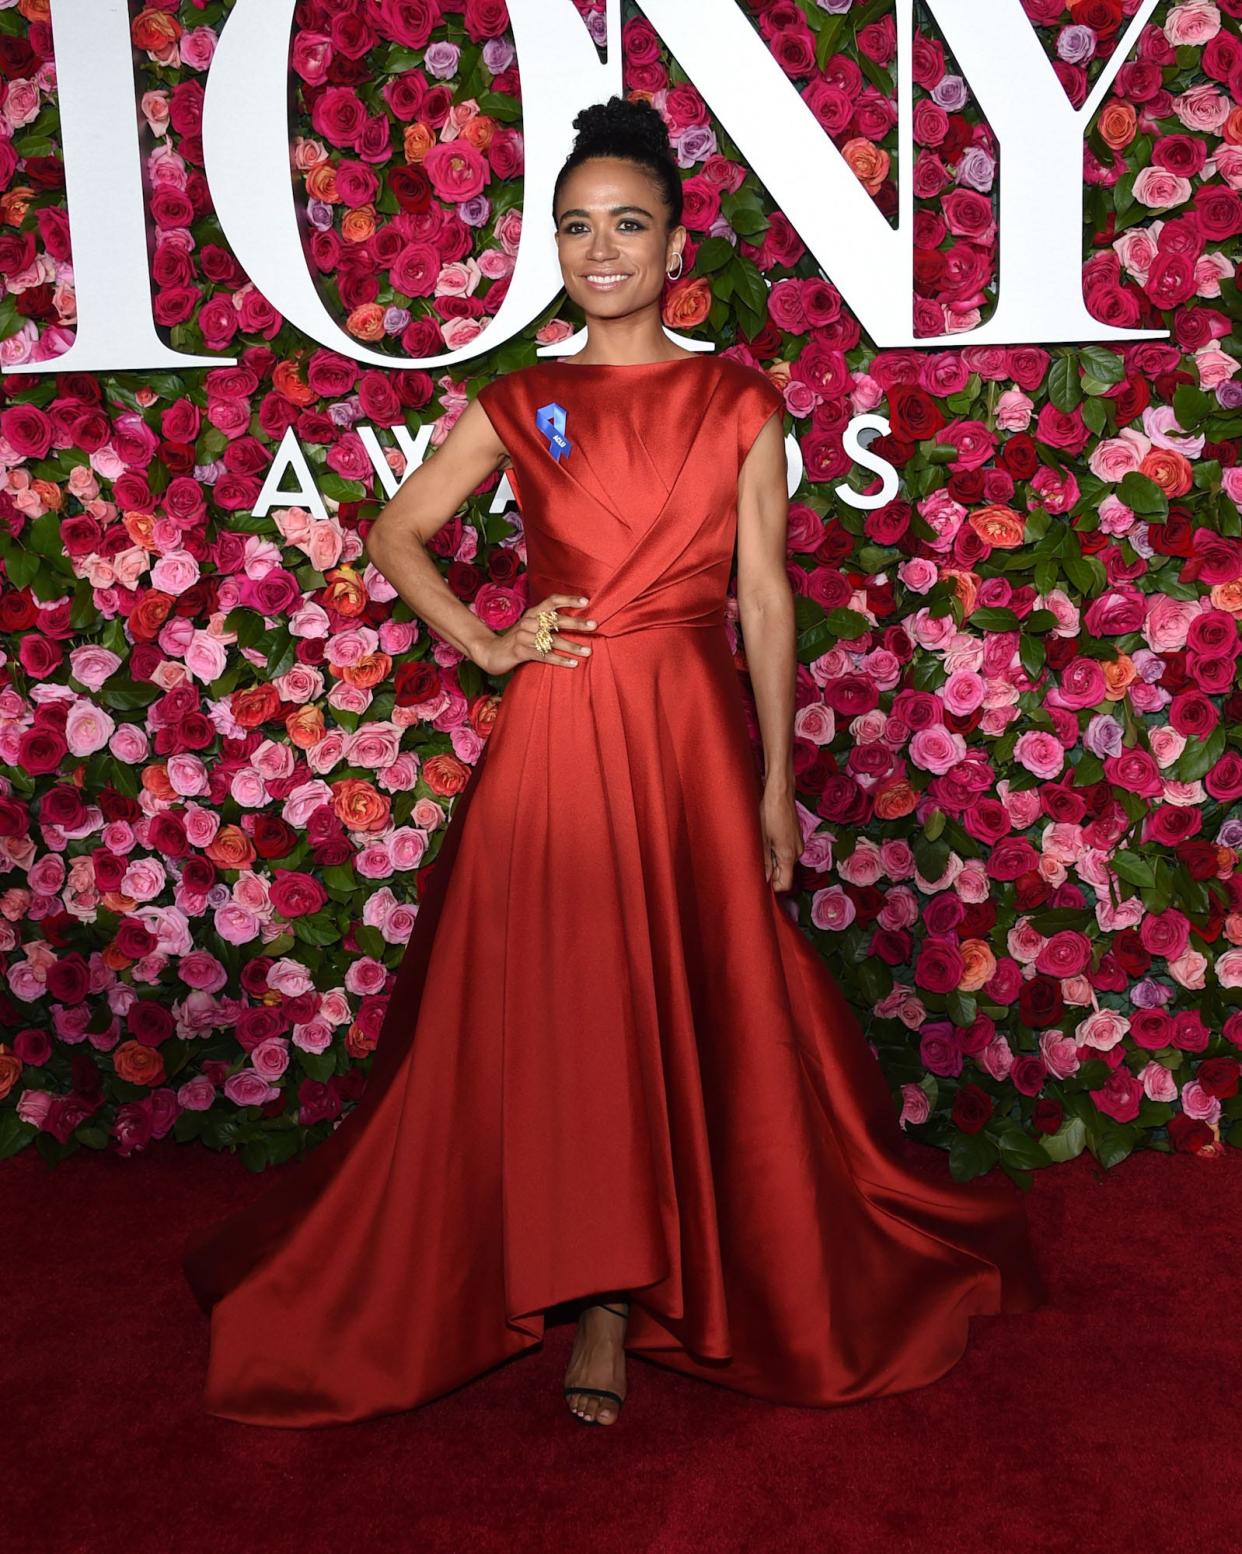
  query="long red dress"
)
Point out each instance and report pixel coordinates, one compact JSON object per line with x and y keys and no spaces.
{"x":610,"y":1060}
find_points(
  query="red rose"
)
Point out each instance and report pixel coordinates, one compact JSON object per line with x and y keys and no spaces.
{"x":1047,"y":1115}
{"x":972,"y":1107}
{"x":1219,"y":1076}
{"x":295,"y":894}
{"x":149,"y":1022}
{"x":1039,"y":1002}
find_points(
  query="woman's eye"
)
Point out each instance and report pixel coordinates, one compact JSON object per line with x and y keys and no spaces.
{"x":574,"y":226}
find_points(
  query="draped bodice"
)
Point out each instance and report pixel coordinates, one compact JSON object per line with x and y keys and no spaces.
{"x":626,"y":480}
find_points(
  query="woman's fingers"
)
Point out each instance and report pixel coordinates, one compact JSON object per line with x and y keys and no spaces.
{"x":568,"y":654}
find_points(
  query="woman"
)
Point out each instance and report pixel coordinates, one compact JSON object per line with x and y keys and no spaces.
{"x":612,"y":1069}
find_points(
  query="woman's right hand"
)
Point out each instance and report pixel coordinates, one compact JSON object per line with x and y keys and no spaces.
{"x":512,"y":647}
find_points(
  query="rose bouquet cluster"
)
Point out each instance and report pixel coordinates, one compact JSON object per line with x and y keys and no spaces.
{"x":227,"y":751}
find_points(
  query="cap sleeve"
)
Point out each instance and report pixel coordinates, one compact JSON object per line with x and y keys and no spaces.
{"x":758,"y":400}
{"x":495,"y":397}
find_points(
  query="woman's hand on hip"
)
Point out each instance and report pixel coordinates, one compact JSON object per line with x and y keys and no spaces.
{"x":517,"y":644}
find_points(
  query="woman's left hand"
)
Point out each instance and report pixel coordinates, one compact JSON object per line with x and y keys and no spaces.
{"x":782,"y":836}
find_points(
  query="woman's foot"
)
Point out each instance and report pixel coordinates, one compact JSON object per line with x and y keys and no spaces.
{"x":598,"y":1360}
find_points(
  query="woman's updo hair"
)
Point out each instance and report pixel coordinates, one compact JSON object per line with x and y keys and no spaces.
{"x":634,"y":130}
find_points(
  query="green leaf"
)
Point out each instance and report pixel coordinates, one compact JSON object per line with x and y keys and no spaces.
{"x":970,"y":1155}
{"x":1103,"y":363}
{"x":1111,"y":1144}
{"x":21,"y":567}
{"x":14,"y":1133}
{"x":931,"y":857}
{"x":1067,"y":1142}
{"x":1020,"y":1150}
{"x":1142,"y":495}
{"x":127,"y":696}
{"x":247,"y":623}
{"x":1191,"y":405}
{"x":994,"y":618}
{"x":1064,"y":389}
{"x":1199,"y":756}
{"x":846,"y":623}
{"x":1032,"y":655}
{"x":317,"y":928}
{"x":961,"y":1007}
{"x":1133,"y":869}
{"x":340,"y":490}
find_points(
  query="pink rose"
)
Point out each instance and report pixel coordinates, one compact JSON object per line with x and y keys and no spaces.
{"x":1165,"y":933}
{"x":1161,"y":190}
{"x":937,"y":749}
{"x":1193,"y":23}
{"x":1041,"y":753}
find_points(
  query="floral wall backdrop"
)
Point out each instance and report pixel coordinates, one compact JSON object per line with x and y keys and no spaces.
{"x":228,"y":752}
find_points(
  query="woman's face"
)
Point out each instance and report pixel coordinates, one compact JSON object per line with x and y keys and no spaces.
{"x":612,"y":221}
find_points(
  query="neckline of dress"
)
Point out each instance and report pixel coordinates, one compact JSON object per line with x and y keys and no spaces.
{"x":662,"y":361}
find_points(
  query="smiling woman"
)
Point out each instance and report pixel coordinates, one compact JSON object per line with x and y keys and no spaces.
{"x":613,"y":1071}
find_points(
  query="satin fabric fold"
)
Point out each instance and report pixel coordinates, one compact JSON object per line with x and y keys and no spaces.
{"x":610,"y":1060}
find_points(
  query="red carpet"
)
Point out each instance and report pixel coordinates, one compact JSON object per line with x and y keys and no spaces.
{"x":1084,"y":1427}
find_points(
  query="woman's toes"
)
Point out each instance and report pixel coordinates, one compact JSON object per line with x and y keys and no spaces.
{"x":607,"y":1413}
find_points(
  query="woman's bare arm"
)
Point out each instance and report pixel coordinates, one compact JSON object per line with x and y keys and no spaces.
{"x":396,"y":541}
{"x":765,"y":599}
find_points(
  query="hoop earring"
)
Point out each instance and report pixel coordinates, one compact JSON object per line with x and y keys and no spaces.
{"x":673,"y":274}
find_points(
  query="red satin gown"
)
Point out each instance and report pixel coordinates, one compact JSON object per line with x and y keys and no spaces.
{"x":610,"y":1060}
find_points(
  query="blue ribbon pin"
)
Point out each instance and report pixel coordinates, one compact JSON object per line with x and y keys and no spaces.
{"x":550,"y":419}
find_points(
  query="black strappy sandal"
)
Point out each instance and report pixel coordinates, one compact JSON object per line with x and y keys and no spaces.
{"x":600,"y":1392}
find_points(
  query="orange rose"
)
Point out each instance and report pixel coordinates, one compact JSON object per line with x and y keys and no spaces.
{"x":10,"y":1070}
{"x":35,"y":10}
{"x":868,"y":162}
{"x":115,"y":959}
{"x":1170,"y":470}
{"x":367,"y":673}
{"x":155,"y":31}
{"x":343,"y":591}
{"x":893,"y":799}
{"x":1232,"y":129}
{"x":484,"y":711}
{"x":14,"y":204}
{"x":478,"y":131}
{"x":357,"y":1043}
{"x":366,"y":322}
{"x":137,"y":1064}
{"x":358,"y":806}
{"x":1228,"y":596}
{"x":445,"y":775}
{"x":1119,"y":675}
{"x":980,"y":964}
{"x":286,"y":380}
{"x":321,"y":183}
{"x":230,"y":848}
{"x":254,"y":705}
{"x":141,"y":529}
{"x":155,"y":781}
{"x":417,"y":141}
{"x":358,"y":225}
{"x":965,"y":585}
{"x":49,"y":493}
{"x":116,"y":901}
{"x":1118,"y":125}
{"x":1000,"y":527}
{"x":305,"y":726}
{"x":146,"y":620}
{"x":687,"y":303}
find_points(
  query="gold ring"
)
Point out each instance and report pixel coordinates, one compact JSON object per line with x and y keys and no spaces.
{"x":547,"y":621}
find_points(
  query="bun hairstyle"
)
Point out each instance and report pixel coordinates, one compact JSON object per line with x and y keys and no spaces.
{"x":632,"y":129}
